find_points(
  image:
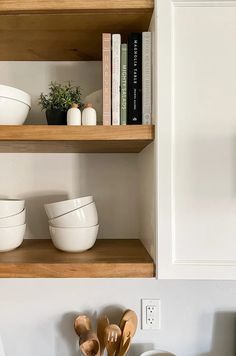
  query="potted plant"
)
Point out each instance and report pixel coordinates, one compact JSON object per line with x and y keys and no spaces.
{"x":58,"y":101}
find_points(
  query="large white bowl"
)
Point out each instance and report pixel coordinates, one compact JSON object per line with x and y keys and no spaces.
{"x":11,"y":237}
{"x":9,"y":207}
{"x":74,"y":239}
{"x":14,"y":105}
{"x":14,"y":220}
{"x":54,"y":210}
{"x":157,"y":353}
{"x":85,"y":216}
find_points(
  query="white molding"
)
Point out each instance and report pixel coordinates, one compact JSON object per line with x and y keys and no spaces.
{"x":205,"y":262}
{"x":172,"y":118}
{"x":203,"y":3}
{"x":186,"y":3}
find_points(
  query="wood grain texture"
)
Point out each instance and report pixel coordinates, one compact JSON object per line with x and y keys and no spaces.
{"x":30,"y":6}
{"x":108,"y":258}
{"x":66,"y":30}
{"x":91,"y":139}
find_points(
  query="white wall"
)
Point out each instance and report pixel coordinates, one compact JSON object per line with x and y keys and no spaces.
{"x":42,"y":178}
{"x":36,"y":316}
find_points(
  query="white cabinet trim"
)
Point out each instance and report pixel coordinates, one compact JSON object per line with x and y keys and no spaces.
{"x":203,"y":3}
{"x":168,"y":265}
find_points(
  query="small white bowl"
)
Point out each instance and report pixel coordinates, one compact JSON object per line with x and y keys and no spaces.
{"x":157,"y":353}
{"x":11,"y":237}
{"x":85,"y":216}
{"x":74,"y":239}
{"x":14,"y":220}
{"x":14,"y":105}
{"x":54,"y":210}
{"x":9,"y":207}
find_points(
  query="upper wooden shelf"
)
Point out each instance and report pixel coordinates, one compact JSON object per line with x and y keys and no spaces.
{"x":107,"y":259}
{"x":45,"y":30}
{"x":84,"y":139}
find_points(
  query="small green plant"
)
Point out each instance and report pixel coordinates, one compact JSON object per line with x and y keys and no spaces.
{"x":60,"y":96}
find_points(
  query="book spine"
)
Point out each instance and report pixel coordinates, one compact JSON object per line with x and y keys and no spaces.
{"x":123,"y":84}
{"x":147,"y":78}
{"x":134,"y":79}
{"x":116,"y":42}
{"x":106,"y":64}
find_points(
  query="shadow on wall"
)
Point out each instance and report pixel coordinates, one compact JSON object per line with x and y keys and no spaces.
{"x":67,"y":339}
{"x":35,"y":212}
{"x":224,"y":335}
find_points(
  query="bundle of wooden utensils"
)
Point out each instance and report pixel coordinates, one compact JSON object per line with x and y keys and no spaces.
{"x":115,"y":339}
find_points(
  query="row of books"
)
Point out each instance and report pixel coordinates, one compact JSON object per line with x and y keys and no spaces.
{"x":127,"y":79}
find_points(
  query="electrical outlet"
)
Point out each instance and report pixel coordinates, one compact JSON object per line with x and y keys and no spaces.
{"x":151,"y":313}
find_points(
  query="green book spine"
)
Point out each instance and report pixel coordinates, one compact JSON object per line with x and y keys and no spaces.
{"x":123,"y":83}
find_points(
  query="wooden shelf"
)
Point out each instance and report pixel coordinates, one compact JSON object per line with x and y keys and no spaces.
{"x":66,"y":30}
{"x":84,"y":139}
{"x":108,"y":259}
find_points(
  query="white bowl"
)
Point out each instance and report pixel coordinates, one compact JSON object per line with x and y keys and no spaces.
{"x":157,"y":353}
{"x":85,"y":216}
{"x":9,"y":207}
{"x":11,"y":237}
{"x":74,"y":239}
{"x":14,"y":220}
{"x":54,"y":210}
{"x":14,"y":105}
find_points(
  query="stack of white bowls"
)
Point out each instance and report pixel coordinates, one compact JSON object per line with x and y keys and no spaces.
{"x":73,"y":224}
{"x":12,"y":224}
{"x":14,"y":105}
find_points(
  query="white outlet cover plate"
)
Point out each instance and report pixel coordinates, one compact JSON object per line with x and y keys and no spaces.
{"x":155,"y":323}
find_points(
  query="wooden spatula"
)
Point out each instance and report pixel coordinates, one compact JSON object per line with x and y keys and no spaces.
{"x":129,"y":315}
{"x":125,"y":348}
{"x":128,"y":325}
{"x":102,"y":323}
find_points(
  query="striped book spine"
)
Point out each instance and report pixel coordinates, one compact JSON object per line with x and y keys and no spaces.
{"x":147,"y":78}
{"x":116,"y":42}
{"x":106,"y":64}
{"x":123,"y":84}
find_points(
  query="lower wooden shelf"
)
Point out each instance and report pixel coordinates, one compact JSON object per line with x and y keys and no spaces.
{"x":125,"y":258}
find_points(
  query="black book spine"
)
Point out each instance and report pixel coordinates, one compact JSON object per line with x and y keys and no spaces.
{"x":134,"y":96}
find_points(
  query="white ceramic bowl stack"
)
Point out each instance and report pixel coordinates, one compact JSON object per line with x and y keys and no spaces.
{"x":73,"y":224}
{"x":14,"y":105}
{"x":12,"y":224}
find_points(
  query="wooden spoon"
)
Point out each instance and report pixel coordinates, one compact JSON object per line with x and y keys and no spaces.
{"x":102,"y":323}
{"x":88,"y":341}
{"x":89,"y":344}
{"x":112,"y":339}
{"x":82,"y":324}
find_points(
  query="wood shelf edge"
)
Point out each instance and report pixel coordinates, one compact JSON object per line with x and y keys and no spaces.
{"x":72,"y":139}
{"x":72,"y":133}
{"x":107,"y":259}
{"x":34,"y":6}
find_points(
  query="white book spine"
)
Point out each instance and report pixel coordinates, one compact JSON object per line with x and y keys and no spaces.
{"x":147,"y":77}
{"x":116,"y":43}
